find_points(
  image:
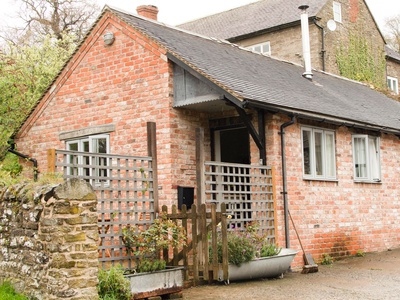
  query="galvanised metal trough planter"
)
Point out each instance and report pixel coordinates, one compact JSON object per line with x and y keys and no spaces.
{"x":151,"y":284}
{"x":263,"y":267}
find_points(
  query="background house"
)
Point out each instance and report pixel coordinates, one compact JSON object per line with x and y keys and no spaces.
{"x":341,"y":31}
{"x":333,"y":142}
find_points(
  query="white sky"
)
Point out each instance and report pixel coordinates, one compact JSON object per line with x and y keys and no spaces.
{"x":174,"y":12}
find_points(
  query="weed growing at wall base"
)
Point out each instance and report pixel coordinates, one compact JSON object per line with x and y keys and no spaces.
{"x":8,"y":292}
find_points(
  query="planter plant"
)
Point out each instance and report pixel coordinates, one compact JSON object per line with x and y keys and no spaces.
{"x":151,"y":276}
{"x":251,"y":255}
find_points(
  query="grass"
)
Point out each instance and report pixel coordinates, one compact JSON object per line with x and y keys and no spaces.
{"x":7,"y":292}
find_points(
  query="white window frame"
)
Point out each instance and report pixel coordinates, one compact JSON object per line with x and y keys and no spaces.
{"x":337,"y":12}
{"x":327,"y":168}
{"x":81,"y":148}
{"x":261,"y":46}
{"x":393,"y":84}
{"x":370,"y":156}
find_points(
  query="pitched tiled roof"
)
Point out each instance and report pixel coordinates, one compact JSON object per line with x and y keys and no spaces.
{"x":392,"y":54}
{"x":254,"y":17}
{"x":256,"y":79}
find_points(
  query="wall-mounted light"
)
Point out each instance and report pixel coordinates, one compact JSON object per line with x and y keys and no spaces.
{"x":109,"y":38}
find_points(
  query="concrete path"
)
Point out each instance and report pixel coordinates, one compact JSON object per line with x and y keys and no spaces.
{"x":374,"y":276}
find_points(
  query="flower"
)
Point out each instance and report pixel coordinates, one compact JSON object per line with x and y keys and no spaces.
{"x":245,"y":244}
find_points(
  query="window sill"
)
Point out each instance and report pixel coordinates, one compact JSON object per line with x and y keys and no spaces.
{"x":368,"y":181}
{"x":321,"y":179}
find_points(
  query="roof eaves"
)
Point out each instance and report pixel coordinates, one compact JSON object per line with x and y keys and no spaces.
{"x":319,"y":117}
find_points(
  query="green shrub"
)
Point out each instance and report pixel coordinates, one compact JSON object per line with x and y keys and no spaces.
{"x":113,"y":285}
{"x":245,"y":245}
{"x":11,"y":165}
{"x":7,"y":292}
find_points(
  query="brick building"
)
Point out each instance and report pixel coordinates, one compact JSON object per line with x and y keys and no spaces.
{"x":273,"y":28}
{"x":334,"y":143}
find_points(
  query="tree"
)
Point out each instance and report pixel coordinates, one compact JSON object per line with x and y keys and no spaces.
{"x":52,"y":17}
{"x":25,"y":73}
{"x":393,"y":28}
{"x":34,"y":53}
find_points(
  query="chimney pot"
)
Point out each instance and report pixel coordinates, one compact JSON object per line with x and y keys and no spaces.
{"x":148,"y":11}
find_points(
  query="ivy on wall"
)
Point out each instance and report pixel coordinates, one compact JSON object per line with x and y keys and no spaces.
{"x":357,"y":60}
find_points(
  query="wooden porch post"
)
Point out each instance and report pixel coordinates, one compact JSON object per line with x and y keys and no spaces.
{"x":152,"y":152}
{"x":200,"y":195}
{"x":51,"y":160}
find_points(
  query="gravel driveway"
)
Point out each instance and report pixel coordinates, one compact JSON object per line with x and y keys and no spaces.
{"x":374,"y":276}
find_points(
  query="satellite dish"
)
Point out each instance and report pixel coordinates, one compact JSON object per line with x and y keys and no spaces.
{"x":331,"y":25}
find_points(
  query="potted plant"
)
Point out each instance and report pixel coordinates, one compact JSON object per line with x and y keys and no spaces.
{"x":150,"y":276}
{"x":251,"y":255}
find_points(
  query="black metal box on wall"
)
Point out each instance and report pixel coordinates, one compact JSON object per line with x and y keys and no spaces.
{"x":185,"y":196}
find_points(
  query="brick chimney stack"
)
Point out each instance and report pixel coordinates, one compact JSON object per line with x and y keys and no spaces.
{"x":148,"y":11}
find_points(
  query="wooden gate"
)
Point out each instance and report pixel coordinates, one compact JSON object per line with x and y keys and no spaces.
{"x":206,"y":226}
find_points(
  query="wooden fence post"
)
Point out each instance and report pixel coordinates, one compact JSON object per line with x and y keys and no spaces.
{"x":224,"y":236}
{"x":152,"y":151}
{"x":194,"y":245}
{"x":51,"y":160}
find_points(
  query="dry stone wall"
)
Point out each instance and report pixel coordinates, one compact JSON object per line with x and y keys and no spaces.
{"x":48,"y":240}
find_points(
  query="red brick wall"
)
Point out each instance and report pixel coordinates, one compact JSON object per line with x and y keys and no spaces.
{"x":340,"y":217}
{"x":126,"y":84}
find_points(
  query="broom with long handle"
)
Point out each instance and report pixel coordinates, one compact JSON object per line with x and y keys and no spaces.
{"x":309,"y":265}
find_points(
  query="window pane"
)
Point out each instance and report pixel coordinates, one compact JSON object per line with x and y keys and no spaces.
{"x":307,"y":152}
{"x":318,"y":153}
{"x":337,"y":12}
{"x":100,"y":146}
{"x":360,"y":157}
{"x":330,"y":155}
{"x":374,"y":158}
{"x":73,"y":160}
{"x":266,"y":48}
{"x":72,"y":146}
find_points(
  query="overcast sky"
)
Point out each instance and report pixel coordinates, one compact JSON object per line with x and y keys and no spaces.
{"x":174,"y":12}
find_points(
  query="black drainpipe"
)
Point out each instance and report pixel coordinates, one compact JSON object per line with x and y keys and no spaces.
{"x":284,"y":180}
{"x":34,"y":161}
{"x":323,"y":43}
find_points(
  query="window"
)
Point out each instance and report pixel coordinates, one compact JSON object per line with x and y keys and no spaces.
{"x":89,"y":166}
{"x":318,"y":153}
{"x":263,"y":48}
{"x":337,"y":12}
{"x":393,"y":84}
{"x":366,"y":158}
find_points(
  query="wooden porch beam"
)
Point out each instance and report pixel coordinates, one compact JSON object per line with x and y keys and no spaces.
{"x":258,"y":139}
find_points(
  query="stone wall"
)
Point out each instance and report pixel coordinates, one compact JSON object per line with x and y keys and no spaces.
{"x":48,"y":240}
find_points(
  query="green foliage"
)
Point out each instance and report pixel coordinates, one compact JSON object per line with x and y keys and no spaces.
{"x":146,"y":244}
{"x":6,"y":179}
{"x":245,"y":245}
{"x":7,"y":292}
{"x":240,"y":248}
{"x":358,"y":61}
{"x":147,"y":265}
{"x":11,"y":165}
{"x":326,"y":259}
{"x":360,"y":253}
{"x":113,"y":285}
{"x":25,"y":74}
{"x":269,"y":250}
